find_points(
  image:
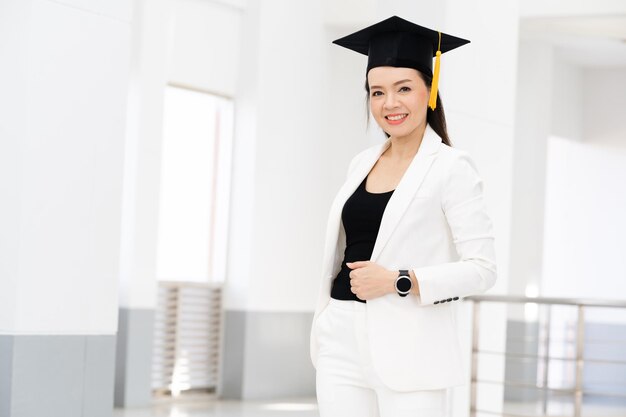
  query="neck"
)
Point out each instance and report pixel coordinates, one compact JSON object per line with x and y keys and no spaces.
{"x":405,"y":147}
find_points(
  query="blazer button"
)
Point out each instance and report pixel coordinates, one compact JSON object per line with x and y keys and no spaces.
{"x":449,"y":299}
{"x":455,"y":298}
{"x":436,"y":302}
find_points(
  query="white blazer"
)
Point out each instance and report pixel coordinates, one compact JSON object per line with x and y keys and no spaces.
{"x":436,"y":224}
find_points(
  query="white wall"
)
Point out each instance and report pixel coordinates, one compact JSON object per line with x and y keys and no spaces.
{"x":534,"y":119}
{"x":585,"y":198}
{"x":567,"y":112}
{"x":604,"y":104}
{"x":290,"y":124}
{"x":348,"y":12}
{"x":542,"y":8}
{"x":206,"y":44}
{"x":275,"y":247}
{"x":62,"y":115}
{"x":568,"y":161}
{"x":142,"y":163}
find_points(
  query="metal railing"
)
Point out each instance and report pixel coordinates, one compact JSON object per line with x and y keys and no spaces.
{"x":579,"y":360}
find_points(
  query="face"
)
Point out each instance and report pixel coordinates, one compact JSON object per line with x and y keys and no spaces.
{"x":398,"y":100}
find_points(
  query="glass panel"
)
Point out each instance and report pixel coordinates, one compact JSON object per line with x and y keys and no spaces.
{"x":596,"y":406}
{"x":601,"y":378}
{"x":537,"y":402}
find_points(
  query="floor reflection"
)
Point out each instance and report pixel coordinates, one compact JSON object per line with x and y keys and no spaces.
{"x":307,"y":407}
{"x":292,"y":407}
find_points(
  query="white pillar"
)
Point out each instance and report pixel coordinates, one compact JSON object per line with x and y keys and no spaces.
{"x":532,"y":129}
{"x":64,"y":78}
{"x":142,"y":164}
{"x":279,"y":160}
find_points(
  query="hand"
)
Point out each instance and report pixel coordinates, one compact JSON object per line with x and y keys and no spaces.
{"x":369,"y":280}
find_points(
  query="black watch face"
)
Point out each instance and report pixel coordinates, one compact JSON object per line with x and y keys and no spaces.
{"x":404,"y":284}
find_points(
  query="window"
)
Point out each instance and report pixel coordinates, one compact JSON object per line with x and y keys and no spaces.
{"x":195,"y":186}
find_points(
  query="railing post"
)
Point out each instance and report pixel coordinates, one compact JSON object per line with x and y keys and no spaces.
{"x":473,"y":386}
{"x":580,"y":342}
{"x":177,"y":372}
{"x":546,"y":360}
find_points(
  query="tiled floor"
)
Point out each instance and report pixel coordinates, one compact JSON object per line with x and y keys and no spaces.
{"x":306,"y":407}
{"x":564,"y":410}
{"x":299,"y":407}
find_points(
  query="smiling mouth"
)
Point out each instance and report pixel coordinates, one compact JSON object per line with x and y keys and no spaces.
{"x":396,"y":117}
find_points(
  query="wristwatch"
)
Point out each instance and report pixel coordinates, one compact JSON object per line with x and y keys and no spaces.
{"x":403,"y":283}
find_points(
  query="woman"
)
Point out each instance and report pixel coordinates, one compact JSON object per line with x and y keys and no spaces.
{"x":408,"y":234}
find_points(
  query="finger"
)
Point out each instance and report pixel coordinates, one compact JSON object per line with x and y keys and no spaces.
{"x":354,"y":274}
{"x":356,"y":264}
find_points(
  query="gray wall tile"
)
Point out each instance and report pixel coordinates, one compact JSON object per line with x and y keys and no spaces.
{"x":133,"y":363}
{"x":232,"y":361}
{"x":266,"y":355}
{"x":56,"y":376}
{"x":277,"y":357}
{"x":99,"y":376}
{"x":6,"y":374}
{"x":48,"y":376}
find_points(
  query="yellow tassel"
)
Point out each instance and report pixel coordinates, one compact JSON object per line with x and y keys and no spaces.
{"x":432,"y":103}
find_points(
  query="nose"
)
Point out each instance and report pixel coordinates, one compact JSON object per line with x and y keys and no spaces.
{"x":390,"y":101}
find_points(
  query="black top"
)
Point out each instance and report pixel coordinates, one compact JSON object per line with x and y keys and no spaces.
{"x":361,"y":217}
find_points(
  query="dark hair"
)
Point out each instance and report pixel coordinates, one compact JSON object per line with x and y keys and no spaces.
{"x":435,"y":118}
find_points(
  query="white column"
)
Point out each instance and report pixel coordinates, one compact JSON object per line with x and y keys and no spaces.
{"x":64,"y":78}
{"x":533,"y":127}
{"x":279,"y":198}
{"x":140,"y":207}
{"x":281,"y":119}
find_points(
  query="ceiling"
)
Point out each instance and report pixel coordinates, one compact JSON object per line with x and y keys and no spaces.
{"x":592,"y":41}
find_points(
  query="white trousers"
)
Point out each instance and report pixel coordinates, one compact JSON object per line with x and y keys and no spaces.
{"x":346,"y":383}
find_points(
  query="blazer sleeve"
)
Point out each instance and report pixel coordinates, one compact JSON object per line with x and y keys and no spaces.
{"x":472,"y":233}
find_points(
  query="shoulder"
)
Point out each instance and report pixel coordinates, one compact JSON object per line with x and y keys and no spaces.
{"x":451,"y":154}
{"x":361,"y":155}
{"x":456,"y":159}
{"x":459,"y":175}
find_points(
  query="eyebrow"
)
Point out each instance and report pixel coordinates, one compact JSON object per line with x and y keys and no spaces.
{"x":396,"y":83}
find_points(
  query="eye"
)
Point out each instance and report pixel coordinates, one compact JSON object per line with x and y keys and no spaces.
{"x":405,"y":89}
{"x":376,"y":93}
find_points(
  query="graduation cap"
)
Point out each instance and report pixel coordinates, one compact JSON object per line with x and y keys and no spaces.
{"x":396,"y":42}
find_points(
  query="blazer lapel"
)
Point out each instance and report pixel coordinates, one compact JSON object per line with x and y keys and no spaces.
{"x":406,"y":189}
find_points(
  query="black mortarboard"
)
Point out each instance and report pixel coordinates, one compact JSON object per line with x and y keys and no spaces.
{"x":397,"y":42}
